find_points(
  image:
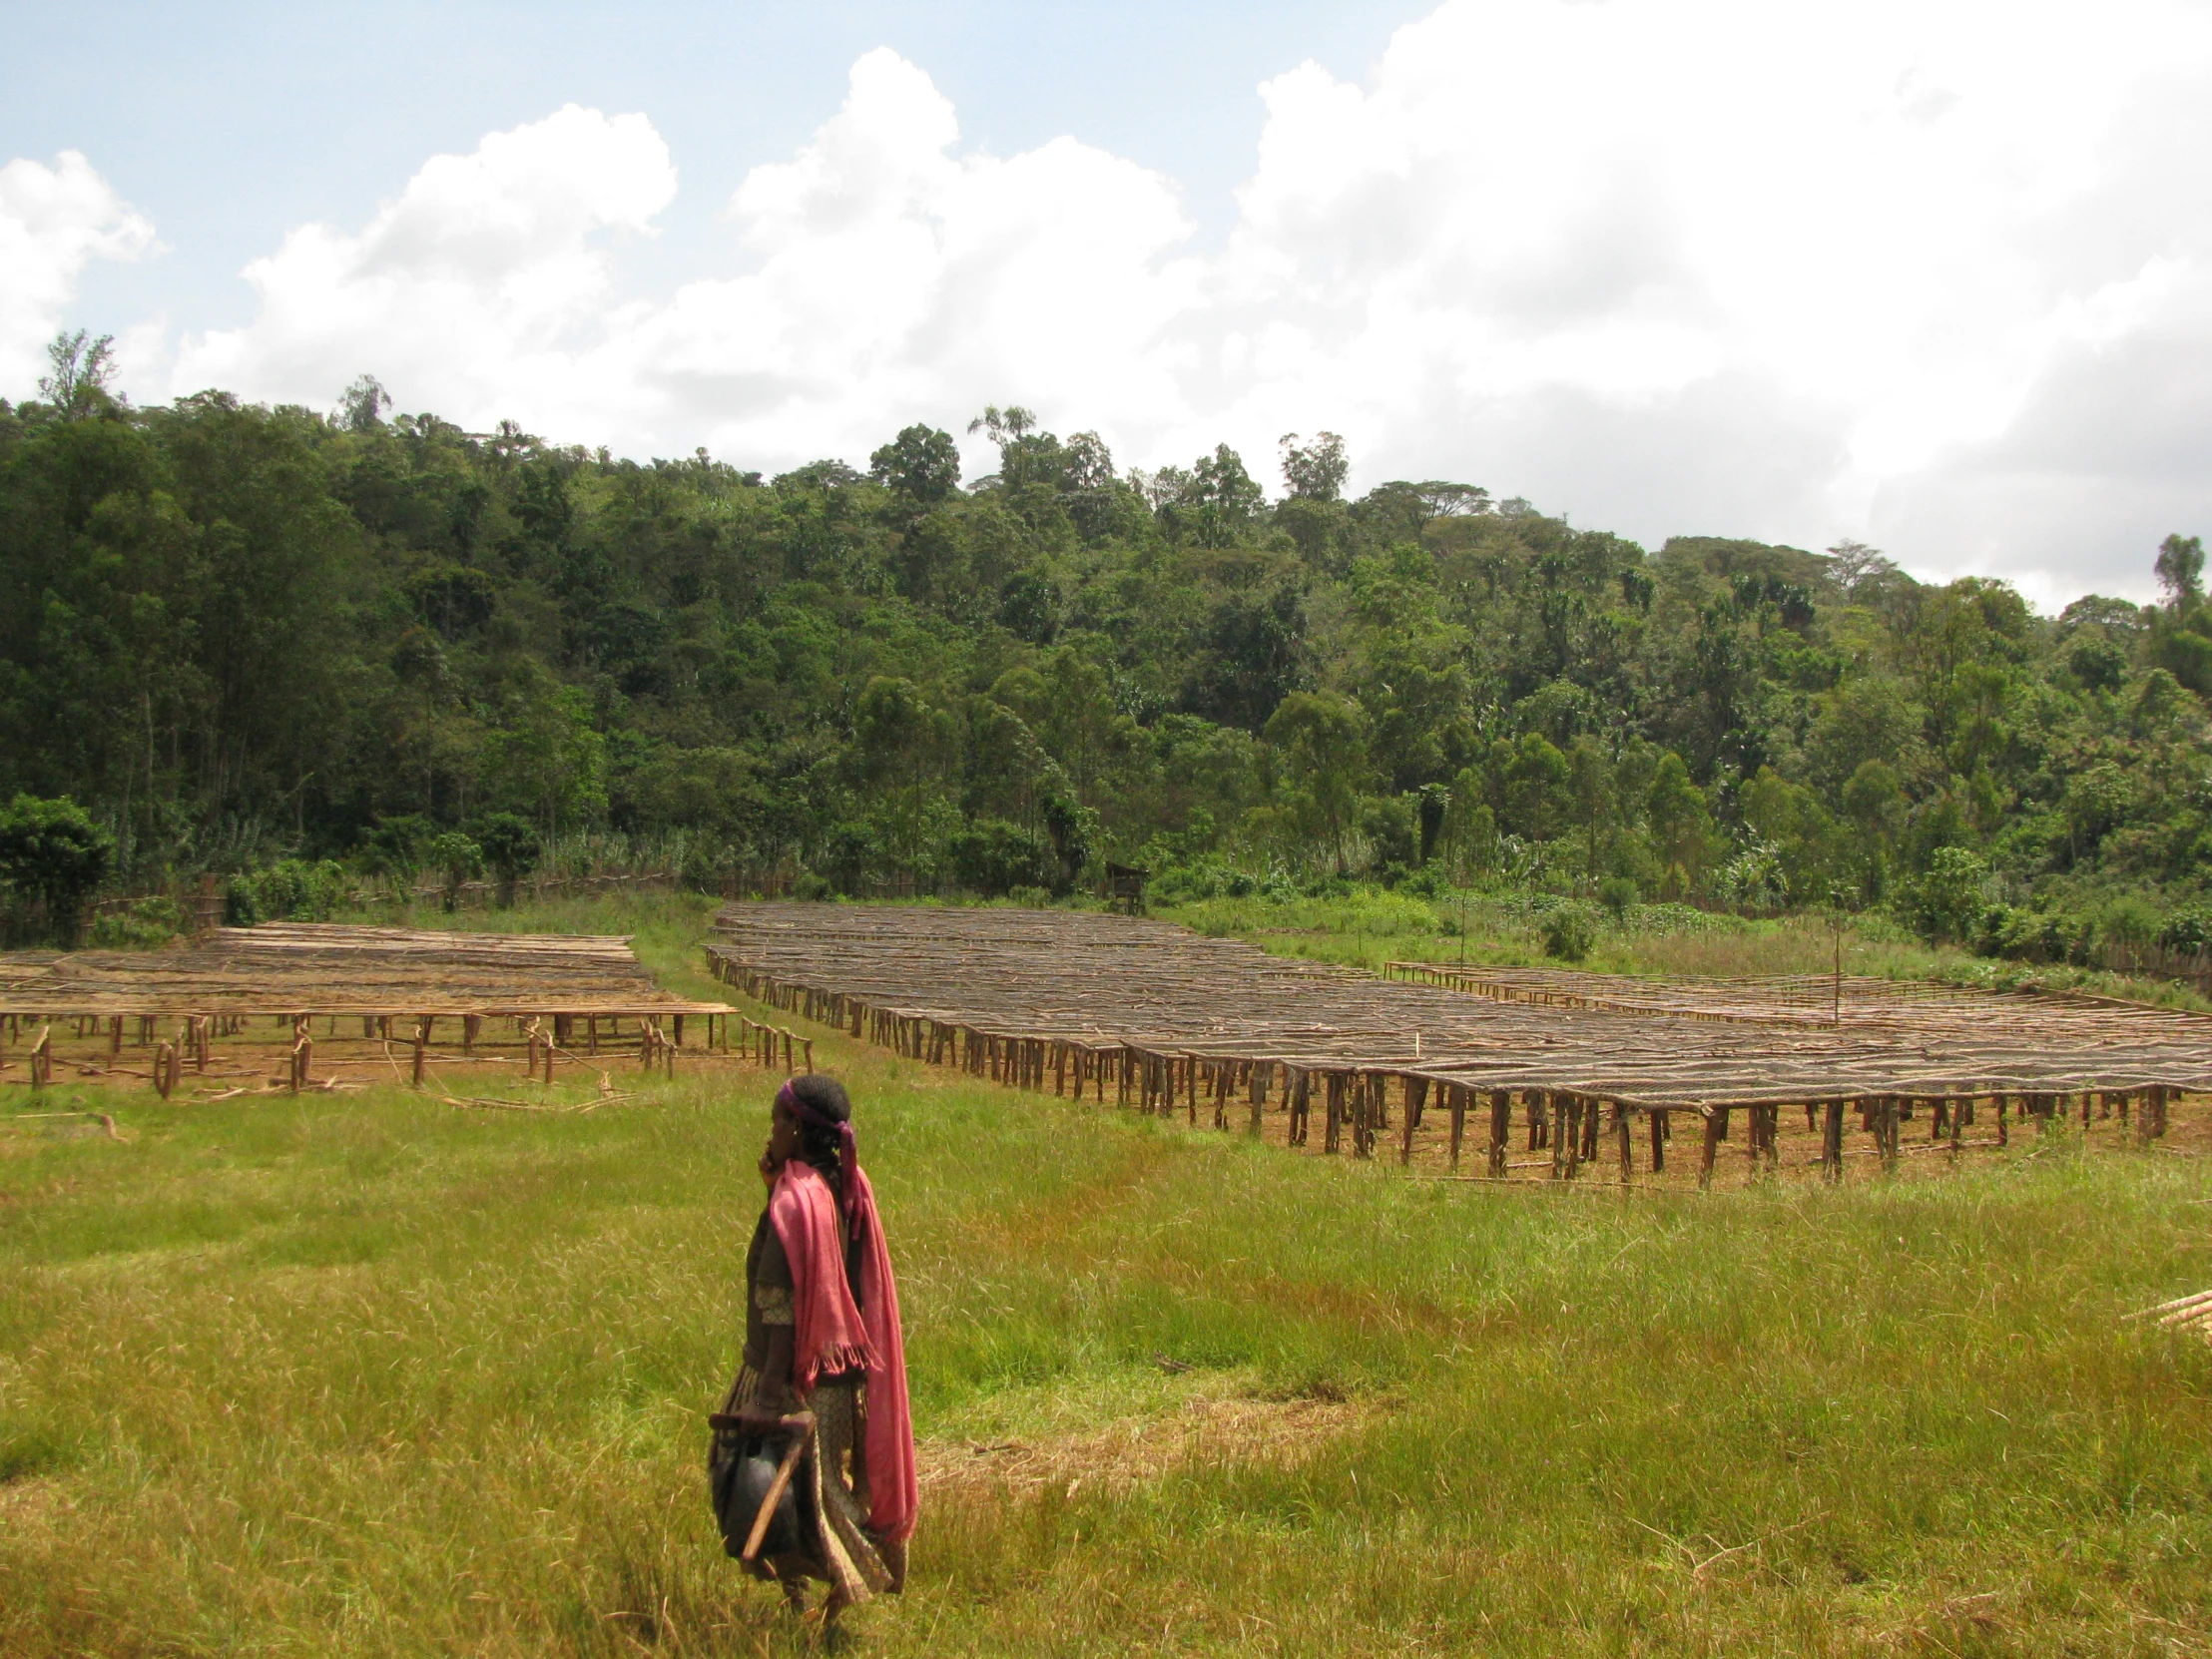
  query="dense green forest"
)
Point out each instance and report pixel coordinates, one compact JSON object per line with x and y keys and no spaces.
{"x":240,"y":635}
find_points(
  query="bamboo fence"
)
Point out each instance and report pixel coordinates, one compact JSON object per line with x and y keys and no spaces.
{"x":1171,"y":1021}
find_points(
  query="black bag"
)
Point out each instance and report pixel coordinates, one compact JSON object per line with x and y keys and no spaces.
{"x":740,"y":1469}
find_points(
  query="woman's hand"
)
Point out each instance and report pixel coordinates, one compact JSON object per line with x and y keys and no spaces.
{"x":774,"y":1396}
{"x":769,"y":1166}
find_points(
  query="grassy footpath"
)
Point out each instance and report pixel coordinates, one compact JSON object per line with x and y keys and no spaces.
{"x":377,"y":1376}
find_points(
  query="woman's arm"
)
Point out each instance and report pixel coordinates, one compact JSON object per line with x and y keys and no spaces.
{"x":771,"y":1306}
{"x":776,"y":1374}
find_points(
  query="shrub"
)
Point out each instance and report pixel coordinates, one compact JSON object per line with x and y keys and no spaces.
{"x":814,"y":890}
{"x":2187,"y":930}
{"x":1569,"y":933}
{"x":53,"y":852}
{"x":1188,"y":883}
{"x":1618,"y":894}
{"x":456,"y":857}
{"x":994,"y":856}
{"x":394,"y":846}
{"x":2023,"y":935}
{"x":289,"y":890}
{"x":148,"y":924}
{"x":511,"y":850}
{"x":2127,"y":922}
{"x":1946,"y":901}
{"x":1425,"y":883}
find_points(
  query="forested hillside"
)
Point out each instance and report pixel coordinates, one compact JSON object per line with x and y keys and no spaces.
{"x":238,"y":635}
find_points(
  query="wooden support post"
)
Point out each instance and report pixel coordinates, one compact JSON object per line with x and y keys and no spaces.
{"x":1535,"y":1103}
{"x":115,"y":1036}
{"x":1889,"y":1133}
{"x":1711,"y":1151}
{"x":1658,"y":1119}
{"x":1255,"y":1088}
{"x":1334,"y":1110}
{"x":1416,"y":1091}
{"x":1624,"y":1145}
{"x":1501,"y":1128}
{"x":1560,"y":1149}
{"x":164,"y":1057}
{"x":1831,"y":1141}
{"x":2004,"y":1129}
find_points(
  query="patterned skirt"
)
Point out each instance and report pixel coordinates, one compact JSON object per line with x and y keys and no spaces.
{"x":832,"y":1494}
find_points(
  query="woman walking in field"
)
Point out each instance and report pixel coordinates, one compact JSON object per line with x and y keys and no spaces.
{"x":822,"y":1336}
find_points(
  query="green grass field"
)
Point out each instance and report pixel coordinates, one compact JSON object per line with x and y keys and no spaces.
{"x":377,"y":1374}
{"x":1369,"y":929}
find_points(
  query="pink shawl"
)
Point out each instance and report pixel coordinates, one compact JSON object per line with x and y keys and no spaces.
{"x":831,"y":1335}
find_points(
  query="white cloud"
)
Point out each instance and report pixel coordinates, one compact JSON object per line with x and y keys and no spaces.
{"x":1937,"y":272}
{"x":1733,"y":267}
{"x":484,"y":291}
{"x":53,"y":219}
{"x":896,"y":282}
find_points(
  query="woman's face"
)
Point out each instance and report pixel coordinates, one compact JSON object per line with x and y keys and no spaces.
{"x":782,"y":1135}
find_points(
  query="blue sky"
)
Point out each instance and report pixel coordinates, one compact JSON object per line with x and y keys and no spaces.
{"x":228,"y":124}
{"x":1933,"y":274}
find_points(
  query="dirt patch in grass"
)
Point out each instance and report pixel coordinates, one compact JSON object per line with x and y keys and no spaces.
{"x":1133,"y":1451}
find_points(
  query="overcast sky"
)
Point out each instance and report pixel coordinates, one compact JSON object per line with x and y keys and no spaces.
{"x":1933,"y":276}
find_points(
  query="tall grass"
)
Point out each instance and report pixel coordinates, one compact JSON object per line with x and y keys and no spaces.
{"x":377,"y":1376}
